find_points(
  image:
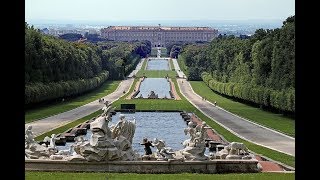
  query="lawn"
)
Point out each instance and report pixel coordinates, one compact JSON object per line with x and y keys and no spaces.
{"x":142,"y":104}
{"x":143,"y":67}
{"x":68,"y":126}
{"x":156,"y":73}
{"x":52,"y":109}
{"x":182,"y":65}
{"x":154,"y":51}
{"x":171,"y":64}
{"x":107,"y":176}
{"x":268,"y":119}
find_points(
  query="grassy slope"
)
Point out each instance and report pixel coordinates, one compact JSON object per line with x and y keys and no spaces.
{"x":268,"y":119}
{"x":182,"y":65}
{"x":155,"y":73}
{"x":171,"y":64}
{"x":183,"y":104}
{"x":272,"y":120}
{"x":143,"y":104}
{"x":104,"y":176}
{"x":53,"y":109}
{"x":68,"y":126}
{"x":281,"y":157}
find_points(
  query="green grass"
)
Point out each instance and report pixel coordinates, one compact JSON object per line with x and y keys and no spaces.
{"x":42,"y":112}
{"x":186,"y":176}
{"x":171,"y":64}
{"x":275,"y":155}
{"x":156,"y":73}
{"x":143,"y":67}
{"x":154,"y":51}
{"x":183,"y":104}
{"x":182,"y":65}
{"x":142,"y":104}
{"x":268,"y":119}
{"x":155,"y":104}
{"x":68,"y":126}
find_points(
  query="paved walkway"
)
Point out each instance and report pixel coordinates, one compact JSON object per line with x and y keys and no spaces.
{"x":134,"y":72}
{"x":47,"y":124}
{"x":44,"y":125}
{"x":239,"y":126}
{"x":177,"y":68}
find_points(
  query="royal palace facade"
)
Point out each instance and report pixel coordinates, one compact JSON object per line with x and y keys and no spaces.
{"x":157,"y":35}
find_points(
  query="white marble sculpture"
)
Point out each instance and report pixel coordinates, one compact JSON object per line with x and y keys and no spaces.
{"x":195,"y":146}
{"x":107,"y":144}
{"x":100,"y":147}
{"x":34,"y":150}
{"x":124,"y":128}
{"x":153,"y":95}
{"x":163,"y":153}
{"x":29,"y":137}
{"x":53,"y":142}
{"x":234,"y":150}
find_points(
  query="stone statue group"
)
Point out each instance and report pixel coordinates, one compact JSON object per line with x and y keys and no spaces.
{"x":105,"y":144}
{"x":115,"y":144}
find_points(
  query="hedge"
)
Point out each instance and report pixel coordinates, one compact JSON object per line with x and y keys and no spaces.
{"x":283,"y":100}
{"x":39,"y":92}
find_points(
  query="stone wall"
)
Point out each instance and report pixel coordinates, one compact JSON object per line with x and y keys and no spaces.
{"x":215,"y":166}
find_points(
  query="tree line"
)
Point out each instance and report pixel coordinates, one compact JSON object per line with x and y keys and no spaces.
{"x":50,"y":61}
{"x":259,"y":69}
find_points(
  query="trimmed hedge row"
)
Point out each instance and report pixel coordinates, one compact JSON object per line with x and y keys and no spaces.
{"x":38,"y":92}
{"x":283,"y":100}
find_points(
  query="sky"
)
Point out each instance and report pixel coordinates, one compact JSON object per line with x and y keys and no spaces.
{"x":152,"y":10}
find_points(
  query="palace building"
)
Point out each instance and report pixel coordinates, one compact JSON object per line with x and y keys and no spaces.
{"x":157,"y":35}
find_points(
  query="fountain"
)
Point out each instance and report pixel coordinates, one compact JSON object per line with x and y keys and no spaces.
{"x":110,"y":149}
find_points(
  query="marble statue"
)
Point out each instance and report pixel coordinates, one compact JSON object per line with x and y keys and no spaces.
{"x":234,"y":150}
{"x":107,"y":144}
{"x":191,"y":131}
{"x":52,"y":144}
{"x":152,"y":95}
{"x":163,"y":153}
{"x":101,"y":146}
{"x":29,"y":137}
{"x":34,"y":150}
{"x":195,"y":146}
{"x":124,"y":128}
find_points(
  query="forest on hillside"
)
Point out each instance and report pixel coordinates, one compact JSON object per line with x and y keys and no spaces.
{"x":56,"y":68}
{"x":259,"y":69}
